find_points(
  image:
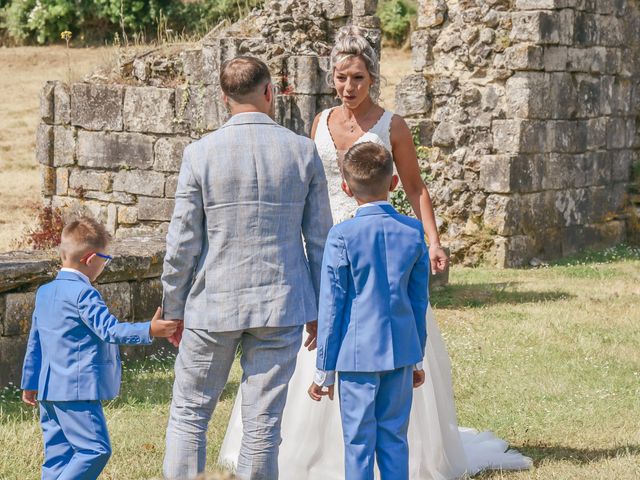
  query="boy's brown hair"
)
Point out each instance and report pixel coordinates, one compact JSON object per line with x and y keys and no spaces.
{"x":81,"y":236}
{"x":241,"y":75}
{"x":367,"y":168}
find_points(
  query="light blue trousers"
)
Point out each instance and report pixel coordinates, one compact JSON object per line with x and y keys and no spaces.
{"x":76,"y":440}
{"x":202,"y":368}
{"x":375,"y":409}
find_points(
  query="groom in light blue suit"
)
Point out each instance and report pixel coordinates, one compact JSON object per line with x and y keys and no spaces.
{"x":371,"y":321}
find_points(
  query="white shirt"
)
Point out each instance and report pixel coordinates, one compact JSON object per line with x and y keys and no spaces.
{"x":328,"y":377}
{"x":77,"y":272}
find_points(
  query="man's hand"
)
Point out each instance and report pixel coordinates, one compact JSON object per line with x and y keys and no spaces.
{"x":316,"y":392}
{"x":160,"y":327}
{"x":29,"y":397}
{"x":418,"y":377}
{"x":438,"y":258}
{"x":312,"y":330}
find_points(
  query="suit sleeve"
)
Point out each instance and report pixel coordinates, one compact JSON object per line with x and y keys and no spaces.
{"x":316,"y":220}
{"x":95,"y":314}
{"x":32,"y":358}
{"x":184,"y":241}
{"x":419,"y":293}
{"x":333,"y":299}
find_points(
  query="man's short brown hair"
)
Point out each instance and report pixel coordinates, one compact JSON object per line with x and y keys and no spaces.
{"x":83,"y":235}
{"x":367,"y":168}
{"x":242,"y":75}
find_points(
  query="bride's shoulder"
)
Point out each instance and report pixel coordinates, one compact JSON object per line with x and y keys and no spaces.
{"x":316,"y":121}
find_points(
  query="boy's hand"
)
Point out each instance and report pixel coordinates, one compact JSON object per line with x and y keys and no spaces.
{"x":29,"y":397}
{"x":418,"y":377}
{"x":162,"y":328}
{"x":312,"y":329}
{"x":316,"y":392}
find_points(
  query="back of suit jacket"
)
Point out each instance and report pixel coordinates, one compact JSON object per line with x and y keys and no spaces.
{"x":374,"y":293}
{"x":247,"y":195}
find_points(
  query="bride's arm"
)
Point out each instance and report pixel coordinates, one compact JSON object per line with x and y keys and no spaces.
{"x":314,"y":127}
{"x":406,"y":160}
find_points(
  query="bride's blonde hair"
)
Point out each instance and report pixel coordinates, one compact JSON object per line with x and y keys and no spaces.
{"x":352,"y":42}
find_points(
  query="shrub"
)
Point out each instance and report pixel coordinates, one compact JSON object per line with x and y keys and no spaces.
{"x":48,"y":231}
{"x":396,"y":17}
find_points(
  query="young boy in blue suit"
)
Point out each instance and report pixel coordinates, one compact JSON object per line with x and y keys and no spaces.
{"x":371,"y":320}
{"x":72,"y":360}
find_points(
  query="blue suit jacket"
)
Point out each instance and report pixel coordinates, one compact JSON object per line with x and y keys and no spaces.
{"x":373,"y":293}
{"x":72,"y":353}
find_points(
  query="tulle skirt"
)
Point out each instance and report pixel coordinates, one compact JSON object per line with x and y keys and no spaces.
{"x":312,"y":445}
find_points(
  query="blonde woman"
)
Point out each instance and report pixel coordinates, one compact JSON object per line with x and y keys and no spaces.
{"x":312,"y":446}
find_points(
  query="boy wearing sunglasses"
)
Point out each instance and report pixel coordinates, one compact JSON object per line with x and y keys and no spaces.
{"x":72,"y":361}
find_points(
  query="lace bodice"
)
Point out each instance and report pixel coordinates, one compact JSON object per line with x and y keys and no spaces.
{"x":342,"y":206}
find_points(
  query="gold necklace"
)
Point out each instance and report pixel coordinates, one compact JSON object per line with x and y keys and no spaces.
{"x":351,"y":124}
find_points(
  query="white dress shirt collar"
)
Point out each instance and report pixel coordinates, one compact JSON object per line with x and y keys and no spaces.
{"x":370,"y":204}
{"x":77,"y":272}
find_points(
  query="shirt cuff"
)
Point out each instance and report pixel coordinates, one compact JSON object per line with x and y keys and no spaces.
{"x":324,"y":378}
{"x":418,"y":366}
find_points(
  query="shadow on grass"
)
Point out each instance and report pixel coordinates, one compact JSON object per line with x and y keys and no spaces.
{"x":476,"y":295}
{"x":560,"y":453}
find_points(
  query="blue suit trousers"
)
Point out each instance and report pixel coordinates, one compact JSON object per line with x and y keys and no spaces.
{"x":76,"y":440}
{"x":375,"y":409}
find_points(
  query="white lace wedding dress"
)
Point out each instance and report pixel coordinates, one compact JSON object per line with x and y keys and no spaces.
{"x":312,"y":445}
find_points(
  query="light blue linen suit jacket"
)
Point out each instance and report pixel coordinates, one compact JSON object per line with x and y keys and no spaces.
{"x":374,"y":293}
{"x":72,"y":352}
{"x":247,"y":196}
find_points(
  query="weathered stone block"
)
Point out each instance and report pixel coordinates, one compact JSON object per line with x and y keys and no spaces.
{"x":64,"y":146}
{"x":562,"y":96}
{"x":200,"y":109}
{"x":573,"y":206}
{"x":519,"y":136}
{"x":411,"y":96}
{"x":47,"y":109}
{"x":159,"y":209}
{"x":544,"y":4}
{"x":170,"y":186}
{"x":431,"y":13}
{"x":44,"y":144}
{"x":47,"y":180}
{"x":587,"y":30}
{"x":566,"y":136}
{"x":620,"y":97}
{"x":139,"y":183}
{"x":588,"y":91}
{"x":621,"y":162}
{"x":303,"y":111}
{"x":307,"y":74}
{"x":514,"y":251}
{"x":62,"y":103}
{"x":422,"y":130}
{"x":168,"y":153}
{"x":62,"y":181}
{"x":563,"y":171}
{"x":578,"y":237}
{"x":421,"y":54}
{"x":597,"y":168}
{"x":12,"y":350}
{"x":149,"y":109}
{"x":147,"y":297}
{"x":596,"y":133}
{"x":117,"y":296}
{"x":511,"y":174}
{"x":200,"y":65}
{"x":555,"y":58}
{"x":523,"y":56}
{"x":127,"y":215}
{"x":142,"y":231}
{"x":497,"y":214}
{"x":527,"y":92}
{"x":109,"y":197}
{"x":114,"y":150}
{"x":616,"y":133}
{"x":610,"y":30}
{"x":334,"y":9}
{"x":543,"y":27}
{"x":363,"y":8}
{"x":90,"y":180}
{"x":18,"y":312}
{"x":97,"y":107}
{"x":445,"y":134}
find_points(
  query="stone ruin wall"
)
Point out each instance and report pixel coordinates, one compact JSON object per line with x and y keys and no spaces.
{"x":529,"y":112}
{"x":525,"y":110}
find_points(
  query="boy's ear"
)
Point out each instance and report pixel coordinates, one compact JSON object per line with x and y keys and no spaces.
{"x":394,"y":183}
{"x":346,"y":189}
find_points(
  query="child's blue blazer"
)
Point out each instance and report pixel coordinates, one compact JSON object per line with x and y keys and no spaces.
{"x":72,"y":352}
{"x":373,"y":293}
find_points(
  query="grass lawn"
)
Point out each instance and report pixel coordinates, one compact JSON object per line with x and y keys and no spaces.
{"x":548,"y":358}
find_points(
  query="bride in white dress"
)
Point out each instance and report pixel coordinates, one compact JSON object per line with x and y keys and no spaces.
{"x":312,"y":446}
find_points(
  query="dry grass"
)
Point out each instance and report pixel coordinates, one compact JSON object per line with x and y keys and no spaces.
{"x":548,"y":359}
{"x":23,"y":72}
{"x":395,"y":64}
